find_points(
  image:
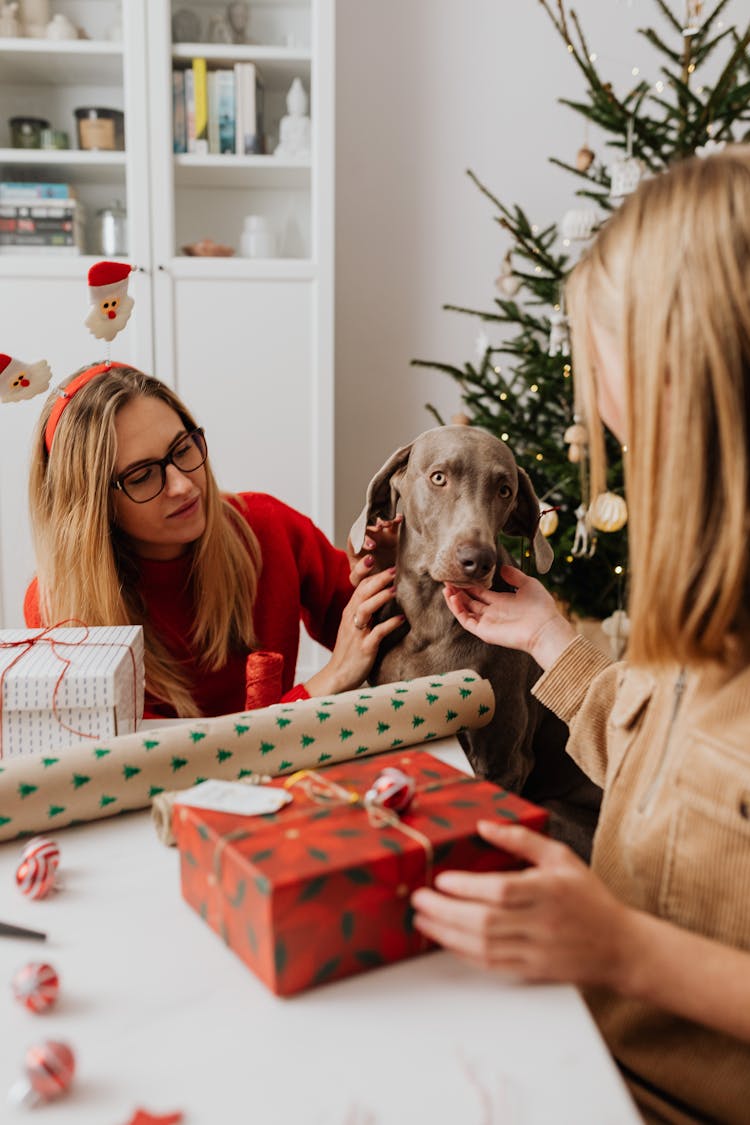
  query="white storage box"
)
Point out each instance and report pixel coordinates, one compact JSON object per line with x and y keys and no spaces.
{"x":64,"y":685}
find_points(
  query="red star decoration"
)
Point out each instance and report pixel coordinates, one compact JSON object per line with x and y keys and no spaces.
{"x":143,"y":1117}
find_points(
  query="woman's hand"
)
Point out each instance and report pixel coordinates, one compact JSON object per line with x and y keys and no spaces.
{"x":380,"y":549}
{"x":358,"y":638}
{"x":553,"y":921}
{"x":527,"y":620}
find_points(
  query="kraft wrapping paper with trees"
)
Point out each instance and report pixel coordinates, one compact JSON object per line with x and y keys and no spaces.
{"x":319,"y":891}
{"x":42,"y":793}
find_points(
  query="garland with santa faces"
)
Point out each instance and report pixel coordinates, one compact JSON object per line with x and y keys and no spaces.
{"x":110,"y":311}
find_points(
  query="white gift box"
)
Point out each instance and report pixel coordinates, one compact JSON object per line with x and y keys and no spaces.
{"x":60,"y":686}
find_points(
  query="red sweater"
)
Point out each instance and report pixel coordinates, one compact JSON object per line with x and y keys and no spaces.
{"x":303,"y":578}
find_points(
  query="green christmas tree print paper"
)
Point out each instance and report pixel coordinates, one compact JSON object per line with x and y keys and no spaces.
{"x":88,"y":780}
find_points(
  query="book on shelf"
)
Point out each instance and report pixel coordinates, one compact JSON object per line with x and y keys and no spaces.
{"x":226,"y":101}
{"x":51,"y":223}
{"x":249,"y":113}
{"x":199,"y":138}
{"x":179,"y":119}
{"x":21,"y":191}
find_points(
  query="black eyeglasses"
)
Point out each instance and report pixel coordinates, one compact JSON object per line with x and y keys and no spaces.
{"x":146,"y":481}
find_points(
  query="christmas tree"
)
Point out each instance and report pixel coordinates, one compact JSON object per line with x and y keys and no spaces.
{"x":522,"y":390}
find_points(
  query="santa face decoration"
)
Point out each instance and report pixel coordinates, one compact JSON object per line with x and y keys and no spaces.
{"x":110,"y":304}
{"x":19,"y":380}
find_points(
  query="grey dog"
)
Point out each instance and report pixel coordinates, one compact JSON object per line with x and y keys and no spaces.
{"x":457,"y":488}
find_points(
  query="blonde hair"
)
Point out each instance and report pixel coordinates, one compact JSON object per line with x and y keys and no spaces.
{"x":87,"y":569}
{"x":668,"y":277}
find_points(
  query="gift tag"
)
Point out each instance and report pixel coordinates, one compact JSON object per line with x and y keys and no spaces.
{"x":234,"y":797}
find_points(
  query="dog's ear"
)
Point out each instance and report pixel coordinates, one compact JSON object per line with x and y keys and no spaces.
{"x":524,"y":520}
{"x":382,"y":496}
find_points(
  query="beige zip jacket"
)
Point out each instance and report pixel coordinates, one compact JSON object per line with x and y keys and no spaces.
{"x":671,"y":749}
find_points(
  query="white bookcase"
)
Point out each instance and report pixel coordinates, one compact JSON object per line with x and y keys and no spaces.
{"x":248,"y":343}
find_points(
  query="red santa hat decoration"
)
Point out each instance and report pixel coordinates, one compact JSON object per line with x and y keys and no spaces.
{"x":19,"y":380}
{"x":110,"y":304}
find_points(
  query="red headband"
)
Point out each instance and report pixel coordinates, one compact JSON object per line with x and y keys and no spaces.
{"x":67,"y":393}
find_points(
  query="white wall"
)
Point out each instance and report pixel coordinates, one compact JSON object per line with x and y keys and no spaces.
{"x":426,"y":89}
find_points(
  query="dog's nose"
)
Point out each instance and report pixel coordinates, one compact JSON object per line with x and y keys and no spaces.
{"x":476,"y":562}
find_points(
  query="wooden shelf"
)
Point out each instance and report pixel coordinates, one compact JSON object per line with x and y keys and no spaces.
{"x":240,"y":171}
{"x":68,"y":62}
{"x":68,"y":164}
{"x":278,"y":64}
{"x":241,"y":269}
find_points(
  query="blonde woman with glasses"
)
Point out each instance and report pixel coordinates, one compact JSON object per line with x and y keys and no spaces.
{"x":657,"y":932}
{"x":130,"y":528}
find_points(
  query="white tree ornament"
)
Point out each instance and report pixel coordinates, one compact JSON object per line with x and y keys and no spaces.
{"x":559,"y":339}
{"x":609,"y":512}
{"x":579,"y":223}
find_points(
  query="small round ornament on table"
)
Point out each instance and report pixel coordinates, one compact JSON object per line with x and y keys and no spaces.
{"x":35,"y":876}
{"x":36,"y":985}
{"x":392,"y":789}
{"x":609,"y":512}
{"x":49,"y":1070}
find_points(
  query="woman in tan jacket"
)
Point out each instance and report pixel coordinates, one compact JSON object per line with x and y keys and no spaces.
{"x":657,"y":932}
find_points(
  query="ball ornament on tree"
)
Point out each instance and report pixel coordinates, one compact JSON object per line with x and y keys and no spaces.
{"x":584,"y":158}
{"x":506,"y":282}
{"x":548,"y":521}
{"x":579,"y":223}
{"x":460,"y":419}
{"x":609,"y":512}
{"x":577,"y":438}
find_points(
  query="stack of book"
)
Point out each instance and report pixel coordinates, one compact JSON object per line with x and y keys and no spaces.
{"x":218,"y":111}
{"x":40,"y":218}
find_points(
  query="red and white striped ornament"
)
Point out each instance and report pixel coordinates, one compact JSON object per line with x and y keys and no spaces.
{"x":49,"y":1069}
{"x":36,"y":986}
{"x":392,"y":789}
{"x":35,"y":876}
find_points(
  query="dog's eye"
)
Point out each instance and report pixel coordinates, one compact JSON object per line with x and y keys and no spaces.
{"x":439,"y":479}
{"x":505,"y":491}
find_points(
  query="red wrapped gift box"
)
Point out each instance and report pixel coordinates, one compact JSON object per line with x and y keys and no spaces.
{"x":318,"y":891}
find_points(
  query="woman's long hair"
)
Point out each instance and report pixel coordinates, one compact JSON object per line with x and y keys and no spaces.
{"x":668,"y":278}
{"x":87,"y":569}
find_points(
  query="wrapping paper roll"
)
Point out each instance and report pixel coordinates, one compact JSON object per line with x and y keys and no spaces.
{"x":93,"y":780}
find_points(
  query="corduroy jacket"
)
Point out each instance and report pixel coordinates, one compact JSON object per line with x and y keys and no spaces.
{"x":671,"y":749}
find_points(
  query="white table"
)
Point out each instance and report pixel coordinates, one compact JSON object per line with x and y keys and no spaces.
{"x":161,"y":1014}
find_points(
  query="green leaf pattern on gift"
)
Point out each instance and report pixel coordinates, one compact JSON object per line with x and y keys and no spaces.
{"x":326,"y":970}
{"x":178,"y":763}
{"x":347,"y":925}
{"x":322,"y":716}
{"x":383,"y":727}
{"x":324,"y":758}
{"x":279,"y":956}
{"x":130,"y":771}
{"x":281,"y":723}
{"x":313,"y":888}
{"x":237,"y":898}
{"x":197,"y":735}
{"x":285,"y":765}
{"x":267,"y":747}
{"x":223,"y":755}
{"x":47,"y":762}
{"x":306,"y":740}
{"x":345,"y":733}
{"x":101,"y":752}
{"x":55,"y":810}
{"x":80,"y":779}
{"x":240,"y":728}
{"x":25,"y":790}
{"x":150,"y":743}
